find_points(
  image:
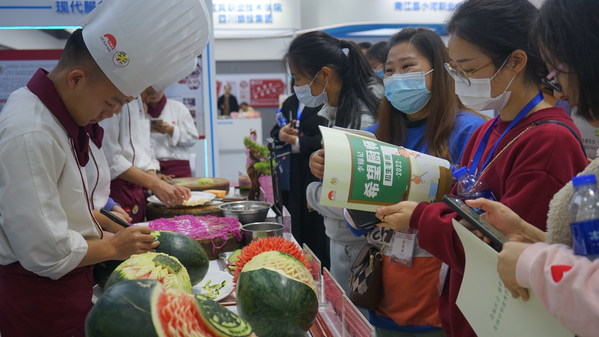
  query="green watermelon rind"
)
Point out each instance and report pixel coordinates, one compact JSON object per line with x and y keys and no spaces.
{"x":133,"y":317}
{"x":223,"y":321}
{"x":180,"y":280}
{"x":189,"y":252}
{"x":272,"y":310}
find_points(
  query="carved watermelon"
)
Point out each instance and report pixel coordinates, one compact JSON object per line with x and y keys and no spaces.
{"x":161,"y":267}
{"x":144,"y":308}
{"x":188,"y":251}
{"x":276,"y":294}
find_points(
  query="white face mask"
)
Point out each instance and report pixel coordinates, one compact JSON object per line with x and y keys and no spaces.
{"x":477,"y":96}
{"x":304,"y":94}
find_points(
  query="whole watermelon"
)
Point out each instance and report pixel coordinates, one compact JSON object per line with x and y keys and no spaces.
{"x":188,"y":251}
{"x":144,"y":308}
{"x":276,"y":294}
{"x":161,"y":267}
{"x":103,"y":270}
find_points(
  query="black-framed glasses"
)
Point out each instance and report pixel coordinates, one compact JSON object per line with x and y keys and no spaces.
{"x":551,"y":79}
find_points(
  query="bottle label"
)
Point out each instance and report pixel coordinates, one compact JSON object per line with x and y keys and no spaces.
{"x":585,"y":237}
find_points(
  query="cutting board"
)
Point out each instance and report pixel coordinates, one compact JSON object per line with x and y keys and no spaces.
{"x":192,"y":184}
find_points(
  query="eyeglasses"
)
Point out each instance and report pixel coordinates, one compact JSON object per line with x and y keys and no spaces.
{"x":457,"y":72}
{"x":551,"y":80}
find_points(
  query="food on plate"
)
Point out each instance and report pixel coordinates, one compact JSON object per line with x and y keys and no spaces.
{"x":198,"y":199}
{"x":161,"y":267}
{"x":212,"y":232}
{"x":212,"y":290}
{"x":188,"y":251}
{"x":218,"y":193}
{"x":232,"y":259}
{"x":276,"y":294}
{"x":205,"y":181}
{"x":145,"y":308}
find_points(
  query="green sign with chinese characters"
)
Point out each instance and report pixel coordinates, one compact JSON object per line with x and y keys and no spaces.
{"x":381,"y":175}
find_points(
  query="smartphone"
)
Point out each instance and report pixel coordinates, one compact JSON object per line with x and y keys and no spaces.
{"x":362,"y":219}
{"x":466,"y":212}
{"x":155,"y":121}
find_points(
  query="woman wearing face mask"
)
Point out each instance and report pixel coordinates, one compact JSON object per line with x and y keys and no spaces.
{"x":523,"y":156}
{"x":564,"y":282}
{"x":421,"y":113}
{"x":334,"y":72}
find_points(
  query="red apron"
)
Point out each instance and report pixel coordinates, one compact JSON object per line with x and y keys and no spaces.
{"x":36,"y":306}
{"x":131,"y":197}
{"x":178,"y":168}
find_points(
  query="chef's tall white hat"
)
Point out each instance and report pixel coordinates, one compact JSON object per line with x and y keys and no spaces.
{"x":173,"y":77}
{"x":137,"y":43}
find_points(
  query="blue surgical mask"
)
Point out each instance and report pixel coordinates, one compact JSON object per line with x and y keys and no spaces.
{"x":407,"y":92}
{"x":304,"y":94}
{"x":380,"y":73}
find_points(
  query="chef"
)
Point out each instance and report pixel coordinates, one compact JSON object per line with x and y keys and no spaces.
{"x":98,"y":182}
{"x":49,"y":237}
{"x":173,"y":135}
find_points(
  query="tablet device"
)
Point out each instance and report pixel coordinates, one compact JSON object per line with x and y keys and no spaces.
{"x":466,"y":212}
{"x":363,"y":219}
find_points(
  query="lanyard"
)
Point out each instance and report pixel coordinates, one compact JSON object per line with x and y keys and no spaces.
{"x":483,"y":143}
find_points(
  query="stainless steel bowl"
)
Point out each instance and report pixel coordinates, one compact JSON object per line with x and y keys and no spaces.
{"x":259,"y":230}
{"x":246,"y":211}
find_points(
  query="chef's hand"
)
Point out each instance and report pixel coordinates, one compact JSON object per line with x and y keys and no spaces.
{"x":396,"y":217}
{"x":164,"y":128}
{"x":288,"y":134}
{"x":133,"y":240}
{"x":171,"y":195}
{"x":317,"y":163}
{"x":120,"y":212}
{"x":506,"y":267}
{"x":165,"y":177}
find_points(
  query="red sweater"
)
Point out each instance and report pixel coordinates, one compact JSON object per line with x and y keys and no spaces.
{"x":524,"y":178}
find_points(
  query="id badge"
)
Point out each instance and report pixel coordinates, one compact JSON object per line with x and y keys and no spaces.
{"x":402,"y":247}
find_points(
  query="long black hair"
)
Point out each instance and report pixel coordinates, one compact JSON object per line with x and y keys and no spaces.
{"x":498,"y":27}
{"x":443,"y":105}
{"x":311,"y":51}
{"x":567,"y":33}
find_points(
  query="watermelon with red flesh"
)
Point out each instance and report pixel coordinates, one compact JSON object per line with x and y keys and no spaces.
{"x":144,"y":308}
{"x":276,"y":294}
{"x":188,"y":251}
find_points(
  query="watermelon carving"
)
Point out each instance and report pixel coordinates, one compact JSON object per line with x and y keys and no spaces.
{"x":145,"y":308}
{"x":188,"y":251}
{"x":153,"y":266}
{"x":276,"y":294}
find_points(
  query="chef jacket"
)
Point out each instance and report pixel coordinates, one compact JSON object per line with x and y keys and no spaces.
{"x":126,"y":140}
{"x":44,"y":211}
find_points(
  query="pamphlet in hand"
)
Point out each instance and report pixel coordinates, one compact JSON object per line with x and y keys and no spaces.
{"x":363,"y":173}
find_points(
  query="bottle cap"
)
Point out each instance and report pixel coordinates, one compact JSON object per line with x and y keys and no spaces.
{"x":588,"y":179}
{"x":459,"y":173}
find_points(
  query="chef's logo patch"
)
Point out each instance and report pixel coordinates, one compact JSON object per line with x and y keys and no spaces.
{"x":120,"y":59}
{"x":331,"y":195}
{"x":109,"y":41}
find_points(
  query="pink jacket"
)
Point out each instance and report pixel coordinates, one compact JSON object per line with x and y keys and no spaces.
{"x":568,"y":285}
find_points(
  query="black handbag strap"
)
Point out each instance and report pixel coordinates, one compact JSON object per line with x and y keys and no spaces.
{"x":567,"y":127}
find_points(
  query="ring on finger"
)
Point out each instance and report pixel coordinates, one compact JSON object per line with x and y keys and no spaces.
{"x":383,"y":219}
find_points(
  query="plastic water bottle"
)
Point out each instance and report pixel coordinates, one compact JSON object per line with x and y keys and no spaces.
{"x":584,"y":212}
{"x":468,"y":187}
{"x":281,"y":120}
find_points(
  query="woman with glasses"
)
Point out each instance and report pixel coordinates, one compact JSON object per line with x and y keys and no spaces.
{"x":523,"y":156}
{"x":565,"y":283}
{"x":420,"y":112}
